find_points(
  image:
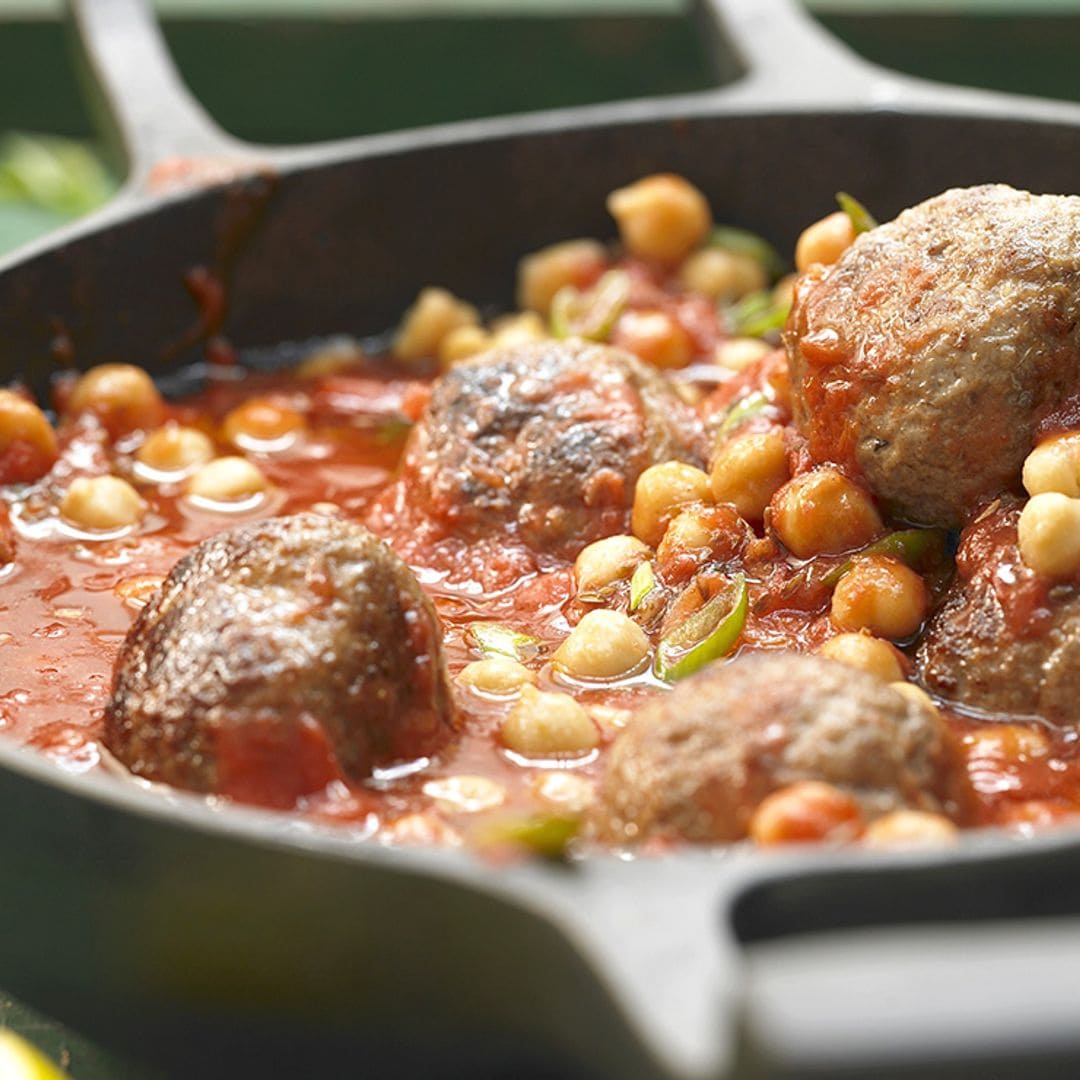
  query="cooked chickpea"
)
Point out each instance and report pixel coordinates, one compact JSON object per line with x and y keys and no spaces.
{"x":123,"y":397}
{"x":499,"y":676}
{"x":910,"y":829}
{"x":783,"y":293}
{"x":823,"y":513}
{"x":1009,"y":742}
{"x":656,"y":337}
{"x":330,"y":358}
{"x":661,"y":491}
{"x":662,"y":217}
{"x":606,"y":561}
{"x":461,"y":343}
{"x":542,"y":274}
{"x":806,"y":811}
{"x":1049,"y":535}
{"x":227,"y":479}
{"x":881,"y":595}
{"x":604,"y":645}
{"x":721,"y":274}
{"x":563,"y":789}
{"x":915,"y":694}
{"x":22,"y":422}
{"x":518,"y":329}
{"x":434,"y":314}
{"x":687,"y":531}
{"x":869,"y":654}
{"x":748,"y":471}
{"x":738,"y":353}
{"x":465,"y":794}
{"x":175,"y":449}
{"x":102,"y":503}
{"x":544,"y":725}
{"x":258,"y":423}
{"x":824,"y":241}
{"x":1054,"y":465}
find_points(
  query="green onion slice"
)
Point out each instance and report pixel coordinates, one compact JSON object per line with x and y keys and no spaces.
{"x":706,"y":635}
{"x":743,"y":242}
{"x":493,"y":639}
{"x":548,"y":835}
{"x":590,"y":314}
{"x":758,"y":314}
{"x":642,"y":582}
{"x":861,"y":218}
{"x":910,"y":546}
{"x":744,"y":409}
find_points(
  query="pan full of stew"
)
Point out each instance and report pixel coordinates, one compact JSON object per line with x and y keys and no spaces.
{"x":588,"y":593}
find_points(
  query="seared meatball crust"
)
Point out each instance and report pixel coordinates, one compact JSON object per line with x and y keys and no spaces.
{"x":695,"y":763}
{"x":928,"y":354}
{"x":1004,"y":640}
{"x":276,"y":655}
{"x":549,"y":438}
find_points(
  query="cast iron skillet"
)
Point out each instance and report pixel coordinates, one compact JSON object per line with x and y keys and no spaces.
{"x":239,"y":942}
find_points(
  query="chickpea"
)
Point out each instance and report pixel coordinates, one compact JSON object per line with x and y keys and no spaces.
{"x":499,"y":676}
{"x":542,"y":274}
{"x":604,"y":645}
{"x":738,"y":353}
{"x":696,"y":534}
{"x":783,"y":293}
{"x":806,"y":811}
{"x":175,"y":449}
{"x":227,"y":479}
{"x":465,"y":794}
{"x":330,"y":358}
{"x":545,"y":725}
{"x":461,"y":343}
{"x":655,"y":337}
{"x":823,"y":513}
{"x":1054,"y":465}
{"x":564,"y":790}
{"x":721,"y":274}
{"x":824,"y":241}
{"x":27,"y":440}
{"x":102,"y":503}
{"x":123,"y":397}
{"x":259,"y":423}
{"x":661,"y":491}
{"x":518,"y":329}
{"x":606,"y":561}
{"x":1009,"y":742}
{"x":661,"y":217}
{"x":869,"y":654}
{"x":881,"y":595}
{"x":433,"y":315}
{"x":1049,"y":534}
{"x":915,"y":694}
{"x":748,"y":471}
{"x":910,"y":829}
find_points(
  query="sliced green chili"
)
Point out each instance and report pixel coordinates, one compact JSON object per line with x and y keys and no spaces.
{"x":590,"y":314}
{"x":743,"y":242}
{"x":758,"y":314}
{"x":743,"y":409}
{"x":706,"y":635}
{"x":910,"y":546}
{"x":861,"y":218}
{"x":548,"y":835}
{"x":642,"y":582}
{"x":493,"y":639}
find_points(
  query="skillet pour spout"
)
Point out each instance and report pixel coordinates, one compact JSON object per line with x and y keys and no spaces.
{"x":167,"y":926}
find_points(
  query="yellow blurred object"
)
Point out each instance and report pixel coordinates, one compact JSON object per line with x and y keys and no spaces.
{"x":21,"y":1061}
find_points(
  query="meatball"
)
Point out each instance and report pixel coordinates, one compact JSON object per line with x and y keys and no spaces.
{"x":1004,"y":640}
{"x":695,"y":763}
{"x":276,"y":656}
{"x":929,"y":353}
{"x":549,"y":437}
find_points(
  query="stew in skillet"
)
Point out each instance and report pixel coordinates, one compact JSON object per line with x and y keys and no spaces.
{"x":685,"y":549}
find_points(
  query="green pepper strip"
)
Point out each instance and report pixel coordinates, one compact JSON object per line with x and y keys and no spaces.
{"x":758,"y":314}
{"x":590,"y":314}
{"x":861,"y":218}
{"x":709,"y":633}
{"x":741,"y":411}
{"x":743,"y":242}
{"x":910,"y":546}
{"x":548,"y":835}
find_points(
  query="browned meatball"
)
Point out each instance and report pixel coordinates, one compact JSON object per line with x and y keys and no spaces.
{"x":1004,"y":640}
{"x":548,"y":437}
{"x":695,"y":763}
{"x":276,"y":654}
{"x":929,"y":353}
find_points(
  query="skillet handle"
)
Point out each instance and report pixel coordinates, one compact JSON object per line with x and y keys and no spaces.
{"x":155,"y":125}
